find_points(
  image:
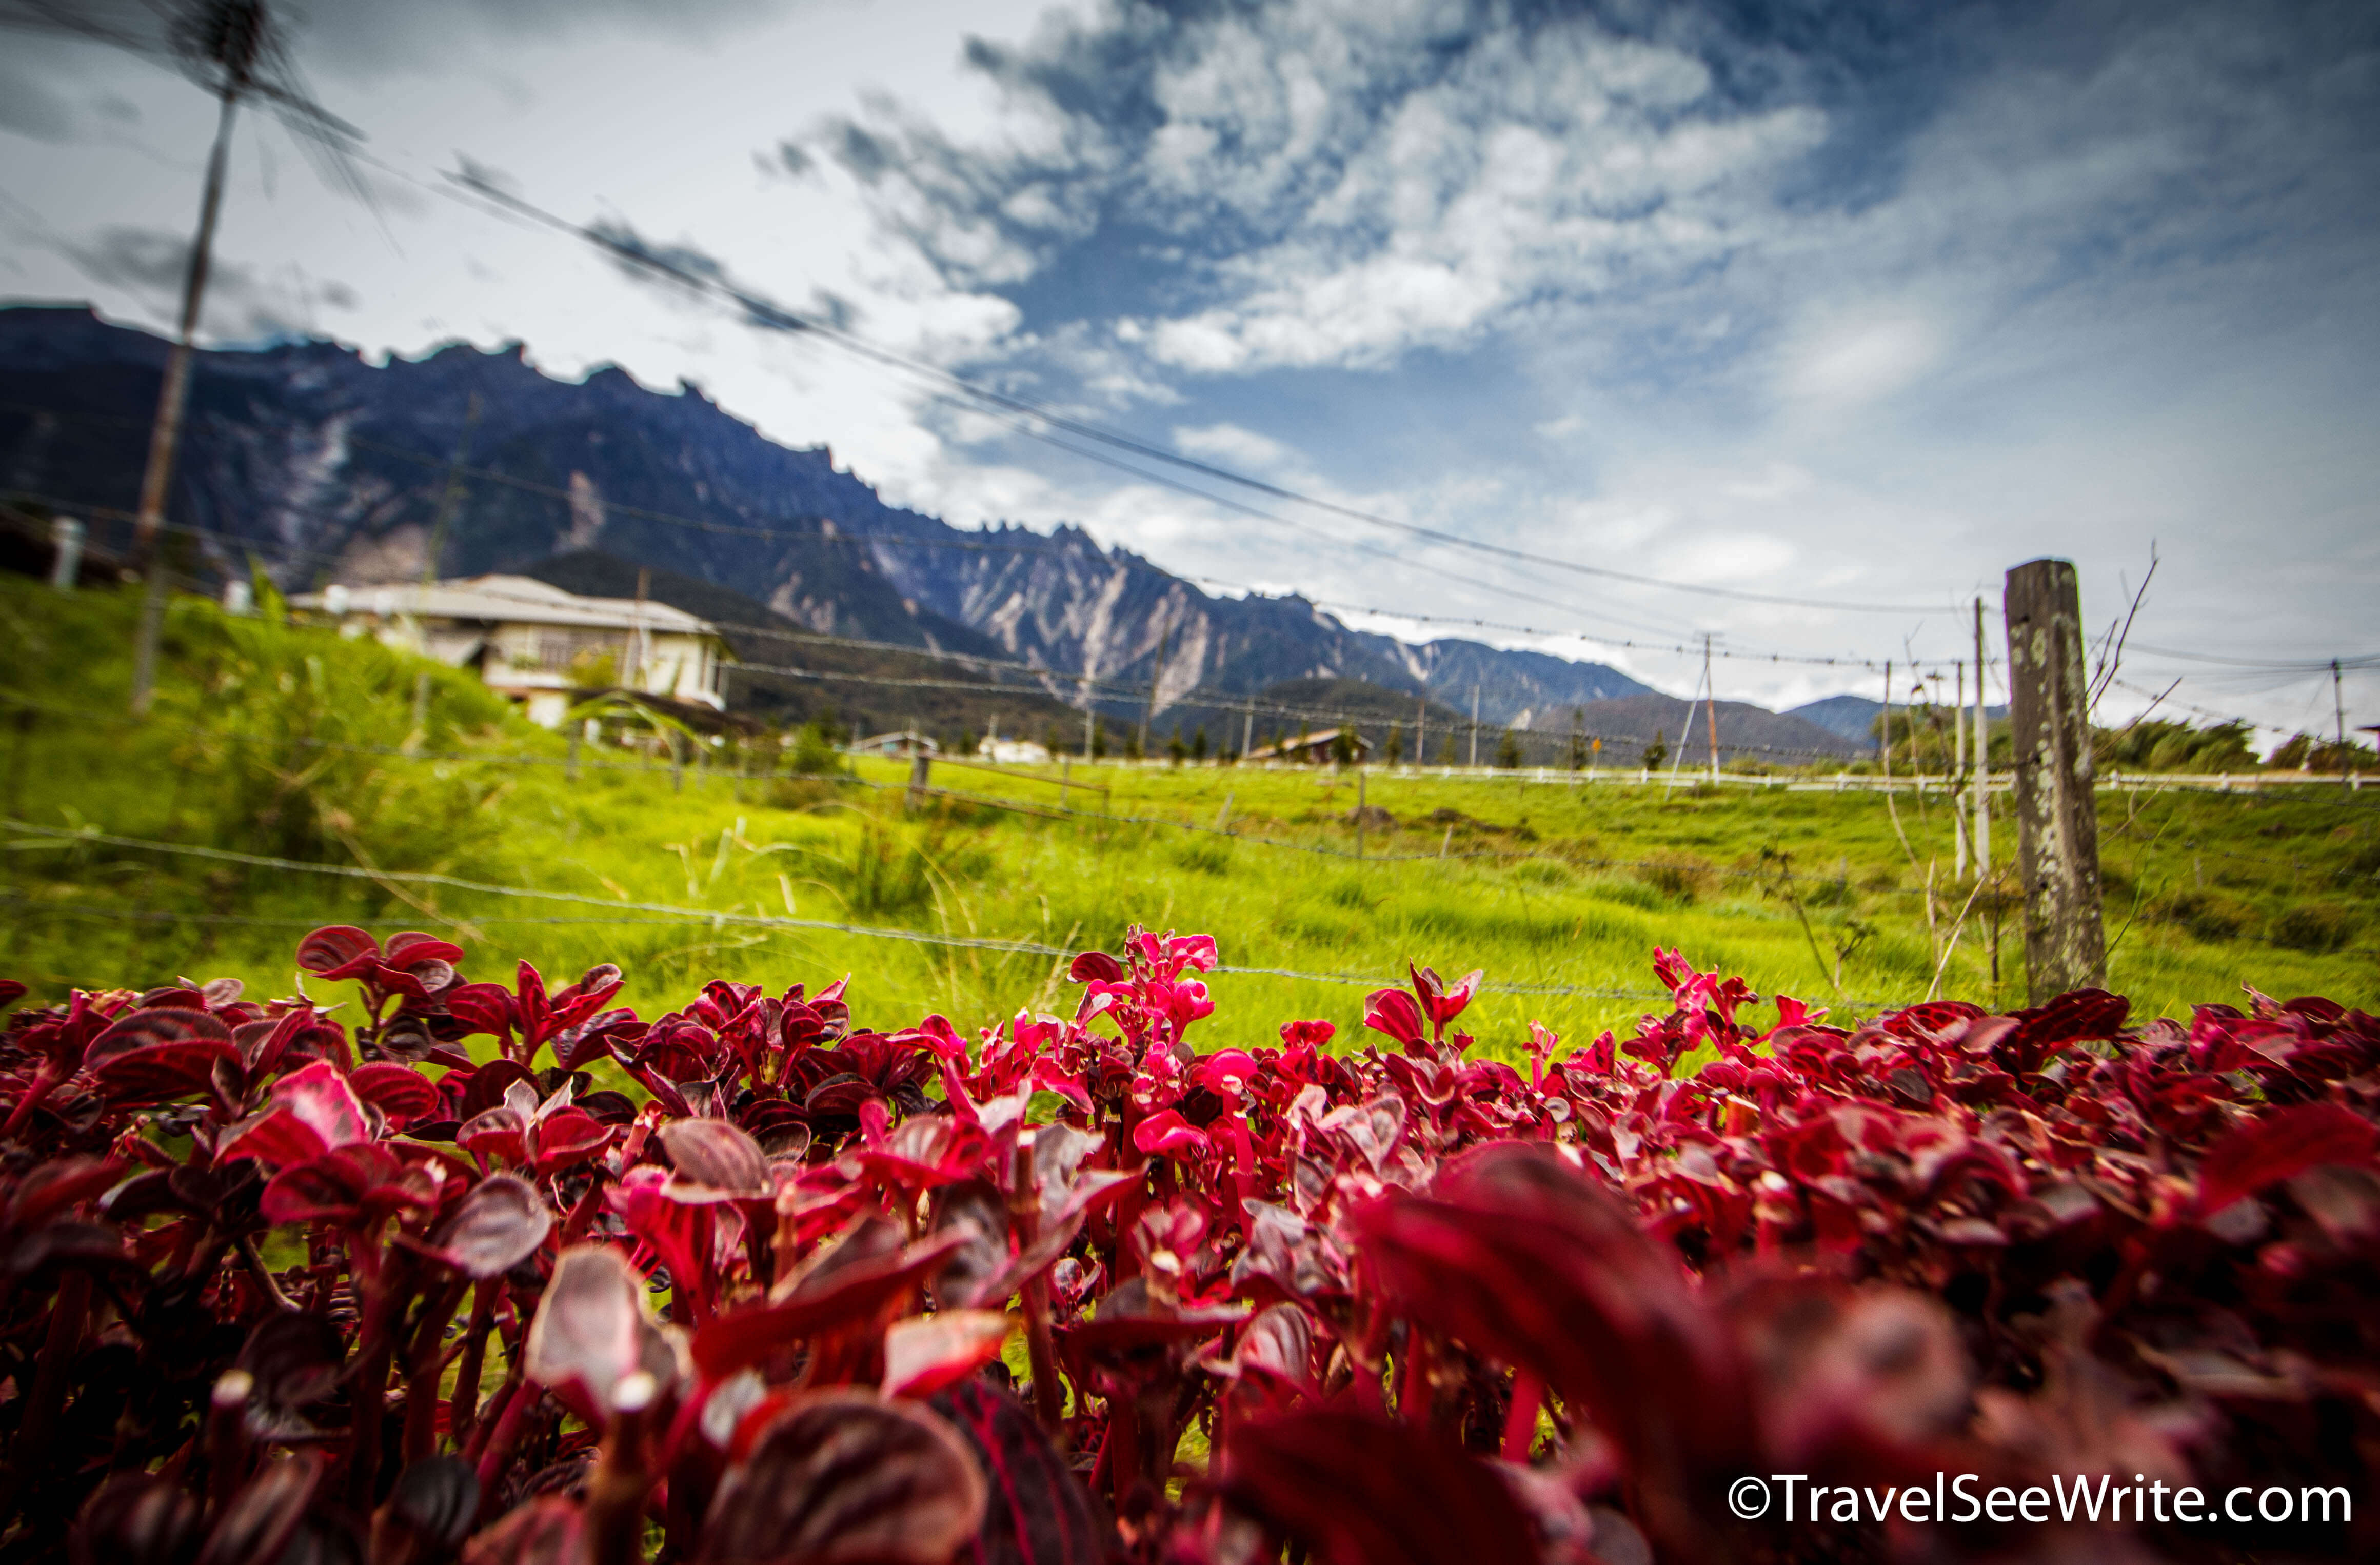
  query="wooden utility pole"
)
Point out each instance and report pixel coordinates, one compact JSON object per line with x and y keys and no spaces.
{"x":1884,"y":729}
{"x":165,"y":433}
{"x":1959,"y":764}
{"x":2057,"y":815}
{"x":2339,"y":707}
{"x":1710,"y":710}
{"x":1983,"y":759}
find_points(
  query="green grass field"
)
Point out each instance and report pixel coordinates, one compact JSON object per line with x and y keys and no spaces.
{"x":288,"y":743}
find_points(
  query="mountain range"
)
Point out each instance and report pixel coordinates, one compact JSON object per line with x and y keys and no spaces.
{"x":322,"y":465}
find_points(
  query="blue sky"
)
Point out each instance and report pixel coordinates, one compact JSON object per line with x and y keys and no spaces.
{"x":1842,"y":302}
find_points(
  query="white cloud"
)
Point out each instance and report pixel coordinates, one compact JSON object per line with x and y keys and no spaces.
{"x":1856,"y":363}
{"x":1230,"y":443}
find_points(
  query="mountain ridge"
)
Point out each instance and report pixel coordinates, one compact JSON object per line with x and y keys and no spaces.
{"x":333,"y":467}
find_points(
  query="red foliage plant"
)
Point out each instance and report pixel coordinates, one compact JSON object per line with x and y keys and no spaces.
{"x":278,"y":1291}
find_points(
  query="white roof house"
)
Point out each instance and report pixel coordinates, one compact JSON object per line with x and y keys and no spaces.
{"x":536,"y":644}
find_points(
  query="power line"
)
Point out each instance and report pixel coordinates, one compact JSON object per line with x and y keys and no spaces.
{"x":904,"y":540}
{"x":2276,"y":665}
{"x":764,"y":312}
{"x":1043,"y":676}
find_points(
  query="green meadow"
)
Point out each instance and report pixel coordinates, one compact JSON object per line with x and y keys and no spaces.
{"x":284,"y":742}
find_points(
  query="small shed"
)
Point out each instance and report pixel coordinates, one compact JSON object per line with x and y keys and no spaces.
{"x":903,"y":742}
{"x":1013,"y":752}
{"x":1313,"y":748}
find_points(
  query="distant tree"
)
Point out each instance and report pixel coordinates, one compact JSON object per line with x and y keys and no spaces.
{"x":968,"y":742}
{"x":1342,"y":748}
{"x":1507,"y":751}
{"x":1578,"y":738}
{"x":1394,"y":748}
{"x":1446,"y":751}
{"x":1099,"y":738}
{"x":1198,"y":743}
{"x":1657,"y":751}
{"x":1051,"y":741}
{"x":813,"y":750}
{"x":1175,"y":750}
{"x":1132,"y":746}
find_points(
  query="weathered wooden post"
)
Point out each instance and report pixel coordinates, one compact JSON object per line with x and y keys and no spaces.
{"x":2057,"y":814}
{"x":918,"y":769}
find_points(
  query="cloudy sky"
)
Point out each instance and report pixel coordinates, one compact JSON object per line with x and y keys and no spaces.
{"x":1859,"y":304}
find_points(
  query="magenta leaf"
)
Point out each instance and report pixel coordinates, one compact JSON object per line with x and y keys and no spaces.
{"x":1395,"y":1013}
{"x":136,"y":1519}
{"x":1037,"y":1511}
{"x":266,"y":1513}
{"x":2285,"y":1142}
{"x":716,"y":1156}
{"x":1357,"y":1491}
{"x":337,"y":951}
{"x":843,"y":1477}
{"x":494,"y":1228}
{"x":401,"y":1093}
{"x":590,"y":1330}
{"x":929,"y":1353}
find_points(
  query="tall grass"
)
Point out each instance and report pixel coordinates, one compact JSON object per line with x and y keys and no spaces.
{"x":289,"y":742}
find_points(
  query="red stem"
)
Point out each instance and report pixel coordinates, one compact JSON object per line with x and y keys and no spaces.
{"x":1520,"y":1422}
{"x":60,"y":1349}
{"x":501,"y":1440}
{"x":464,"y":1411}
{"x":1025,"y":1217}
{"x":45,"y":1076}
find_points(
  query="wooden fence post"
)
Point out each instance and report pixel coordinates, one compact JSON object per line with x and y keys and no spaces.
{"x":918,"y":770}
{"x":2056,"y":812}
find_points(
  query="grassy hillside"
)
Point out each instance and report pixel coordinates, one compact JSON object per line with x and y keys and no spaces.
{"x":291,"y":744}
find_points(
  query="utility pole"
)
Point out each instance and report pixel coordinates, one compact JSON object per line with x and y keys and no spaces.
{"x":1983,"y":759}
{"x":1474,"y":726}
{"x":2058,"y":822}
{"x":637,"y":630}
{"x":450,"y":496}
{"x":1421,"y":729}
{"x":1711,"y":709}
{"x":1958,"y":766}
{"x":1155,"y":673}
{"x":2339,"y":707}
{"x":1248,"y":728}
{"x":1883,"y":728}
{"x":236,"y":53}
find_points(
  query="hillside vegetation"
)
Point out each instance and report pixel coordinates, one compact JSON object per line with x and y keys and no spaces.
{"x":291,"y":744}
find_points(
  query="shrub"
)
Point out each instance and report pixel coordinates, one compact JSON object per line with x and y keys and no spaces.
{"x":813,"y":752}
{"x":286,"y":1284}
